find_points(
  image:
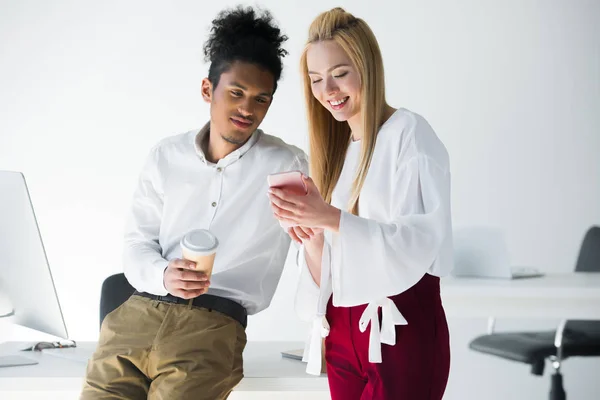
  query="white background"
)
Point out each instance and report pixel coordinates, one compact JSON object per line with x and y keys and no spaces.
{"x":511,"y":87}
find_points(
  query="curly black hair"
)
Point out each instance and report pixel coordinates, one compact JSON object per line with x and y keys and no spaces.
{"x":242,"y":34}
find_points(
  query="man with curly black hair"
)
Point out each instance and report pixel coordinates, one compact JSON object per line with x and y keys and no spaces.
{"x":182,"y":333}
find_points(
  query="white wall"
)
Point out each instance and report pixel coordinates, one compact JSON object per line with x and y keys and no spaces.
{"x":512,"y":88}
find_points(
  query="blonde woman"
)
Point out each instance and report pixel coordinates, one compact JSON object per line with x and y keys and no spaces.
{"x":374,"y":228}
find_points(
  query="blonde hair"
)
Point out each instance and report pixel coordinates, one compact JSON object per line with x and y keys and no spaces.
{"x":329,"y":138}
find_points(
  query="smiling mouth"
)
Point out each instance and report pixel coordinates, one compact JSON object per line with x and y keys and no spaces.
{"x":241,"y":123}
{"x":338,"y":104}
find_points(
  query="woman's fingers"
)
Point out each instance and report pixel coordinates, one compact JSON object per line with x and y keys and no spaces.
{"x":293,"y":235}
{"x":307,"y":231}
{"x":301,"y":233}
{"x":280,"y":212}
{"x":279,"y":202}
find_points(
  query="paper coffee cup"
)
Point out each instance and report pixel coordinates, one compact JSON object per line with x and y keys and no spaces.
{"x":200,"y":246}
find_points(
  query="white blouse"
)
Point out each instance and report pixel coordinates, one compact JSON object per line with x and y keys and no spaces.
{"x":403,"y":231}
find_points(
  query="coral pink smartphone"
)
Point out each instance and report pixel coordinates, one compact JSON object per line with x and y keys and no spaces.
{"x":290,"y":181}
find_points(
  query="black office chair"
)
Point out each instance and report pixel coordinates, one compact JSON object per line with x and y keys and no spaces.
{"x":115,"y":291}
{"x":572,"y":338}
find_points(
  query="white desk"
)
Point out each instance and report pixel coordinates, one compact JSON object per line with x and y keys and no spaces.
{"x":267,"y":376}
{"x":270,"y":377}
{"x":561,"y":296}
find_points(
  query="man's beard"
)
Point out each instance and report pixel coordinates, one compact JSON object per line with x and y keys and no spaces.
{"x":234,"y":140}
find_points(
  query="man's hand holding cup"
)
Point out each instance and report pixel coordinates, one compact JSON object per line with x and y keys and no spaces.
{"x":182,"y":280}
{"x":189,"y":277}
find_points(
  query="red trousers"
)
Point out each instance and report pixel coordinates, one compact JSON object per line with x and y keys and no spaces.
{"x":416,"y":368}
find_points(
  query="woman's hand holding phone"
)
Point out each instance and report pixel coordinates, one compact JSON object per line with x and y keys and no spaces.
{"x":308,"y":210}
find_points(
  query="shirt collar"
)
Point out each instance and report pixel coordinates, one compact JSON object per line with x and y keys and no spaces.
{"x":235,"y":155}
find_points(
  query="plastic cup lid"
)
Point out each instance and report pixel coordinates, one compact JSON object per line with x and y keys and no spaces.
{"x":200,"y":241}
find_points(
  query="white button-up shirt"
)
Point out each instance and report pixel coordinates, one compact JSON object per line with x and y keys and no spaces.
{"x":402,"y":232}
{"x":180,"y":190}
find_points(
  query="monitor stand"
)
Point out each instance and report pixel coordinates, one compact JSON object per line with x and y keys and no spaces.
{"x":12,"y":359}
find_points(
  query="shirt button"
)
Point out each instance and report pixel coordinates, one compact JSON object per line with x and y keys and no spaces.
{"x":214,"y":204}
{"x":219,"y":169}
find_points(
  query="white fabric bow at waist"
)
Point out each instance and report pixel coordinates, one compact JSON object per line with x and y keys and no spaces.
{"x":390,"y":316}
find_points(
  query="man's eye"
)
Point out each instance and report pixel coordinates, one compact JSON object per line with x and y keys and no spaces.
{"x":236,"y":93}
{"x":261,"y":100}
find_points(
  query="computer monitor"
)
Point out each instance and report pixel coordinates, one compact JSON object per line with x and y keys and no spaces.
{"x":25,"y":277}
{"x":482,"y":252}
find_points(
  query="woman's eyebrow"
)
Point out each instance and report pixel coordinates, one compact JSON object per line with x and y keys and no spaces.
{"x":330,"y":69}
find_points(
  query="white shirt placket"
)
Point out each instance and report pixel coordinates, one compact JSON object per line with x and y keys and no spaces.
{"x":216,"y":190}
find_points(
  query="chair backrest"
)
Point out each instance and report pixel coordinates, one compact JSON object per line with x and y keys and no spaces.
{"x":115,"y":291}
{"x":588,"y":261}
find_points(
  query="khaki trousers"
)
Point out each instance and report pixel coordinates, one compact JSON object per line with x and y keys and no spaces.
{"x":155,"y":350}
